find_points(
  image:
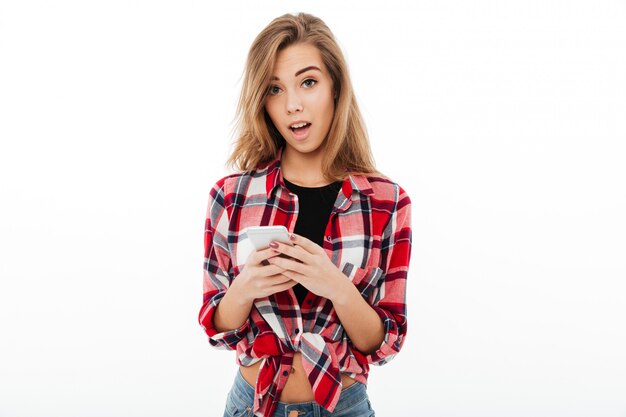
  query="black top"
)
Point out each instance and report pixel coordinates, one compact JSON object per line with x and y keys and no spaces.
{"x":315,"y":205}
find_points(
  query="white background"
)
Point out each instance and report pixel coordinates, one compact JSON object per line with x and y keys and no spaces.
{"x":504,"y":121}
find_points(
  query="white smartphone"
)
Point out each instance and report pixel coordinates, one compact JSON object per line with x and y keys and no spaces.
{"x":261,"y":236}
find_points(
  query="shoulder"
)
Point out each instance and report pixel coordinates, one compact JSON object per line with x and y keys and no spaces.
{"x":240,"y":184}
{"x":228,"y":181}
{"x":392,"y":203}
{"x":219,"y":187}
{"x":385,"y":189}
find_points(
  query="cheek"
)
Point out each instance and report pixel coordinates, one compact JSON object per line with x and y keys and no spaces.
{"x":271,"y":108}
{"x":324,"y":103}
{"x":329,"y":109}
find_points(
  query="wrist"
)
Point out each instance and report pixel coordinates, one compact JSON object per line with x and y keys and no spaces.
{"x":345,"y":293}
{"x":238,"y":294}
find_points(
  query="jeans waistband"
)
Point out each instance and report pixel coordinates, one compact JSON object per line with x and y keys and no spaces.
{"x":351,"y":395}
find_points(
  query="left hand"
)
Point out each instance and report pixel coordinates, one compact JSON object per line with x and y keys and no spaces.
{"x":311,"y":267}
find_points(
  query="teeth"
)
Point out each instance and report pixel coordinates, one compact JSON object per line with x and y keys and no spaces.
{"x":299,"y":125}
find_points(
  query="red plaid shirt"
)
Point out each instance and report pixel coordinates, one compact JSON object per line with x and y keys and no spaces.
{"x":368,"y":237}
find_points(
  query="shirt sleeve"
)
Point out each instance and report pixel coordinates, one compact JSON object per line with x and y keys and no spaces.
{"x":388,"y":298}
{"x":216,"y":277}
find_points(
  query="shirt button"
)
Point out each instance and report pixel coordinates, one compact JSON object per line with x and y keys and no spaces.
{"x":285,"y":373}
{"x":297,"y":331}
{"x":309,"y":302}
{"x":328,"y":238}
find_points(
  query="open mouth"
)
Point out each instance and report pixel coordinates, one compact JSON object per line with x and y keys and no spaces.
{"x":300,"y":127}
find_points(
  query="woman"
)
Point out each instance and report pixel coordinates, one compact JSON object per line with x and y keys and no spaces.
{"x":306,"y":320}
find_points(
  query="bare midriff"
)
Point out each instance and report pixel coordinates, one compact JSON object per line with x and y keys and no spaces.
{"x":297,"y":389}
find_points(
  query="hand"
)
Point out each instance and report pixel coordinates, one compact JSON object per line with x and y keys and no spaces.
{"x":310,"y":266}
{"x":259,"y":278}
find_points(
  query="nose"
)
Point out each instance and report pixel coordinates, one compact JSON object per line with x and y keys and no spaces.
{"x":294,"y":103}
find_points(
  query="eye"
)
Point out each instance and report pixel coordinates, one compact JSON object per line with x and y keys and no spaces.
{"x":309,"y":82}
{"x":273,"y":90}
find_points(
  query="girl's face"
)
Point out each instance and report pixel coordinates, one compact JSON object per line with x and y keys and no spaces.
{"x":300,"y":98}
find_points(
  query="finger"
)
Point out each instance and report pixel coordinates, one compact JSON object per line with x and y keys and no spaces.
{"x":300,"y":278}
{"x":296,"y":252}
{"x":283,"y":286}
{"x":289,"y":264}
{"x":257,"y":257}
{"x":307,"y":244}
{"x":282,"y":255}
{"x":270,"y":270}
{"x":278,"y":279}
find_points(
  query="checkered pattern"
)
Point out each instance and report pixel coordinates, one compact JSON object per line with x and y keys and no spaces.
{"x":368,"y":237}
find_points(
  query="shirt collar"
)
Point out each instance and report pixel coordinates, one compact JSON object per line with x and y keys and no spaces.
{"x":353,"y":182}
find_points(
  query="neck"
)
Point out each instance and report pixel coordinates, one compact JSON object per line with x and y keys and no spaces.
{"x":303,"y":169}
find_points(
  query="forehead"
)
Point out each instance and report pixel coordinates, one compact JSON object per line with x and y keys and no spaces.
{"x":295,"y":57}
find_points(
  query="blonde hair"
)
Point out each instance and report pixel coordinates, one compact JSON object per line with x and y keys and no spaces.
{"x":258,"y":140}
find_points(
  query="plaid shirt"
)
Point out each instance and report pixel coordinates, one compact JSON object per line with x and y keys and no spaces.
{"x":368,"y":237}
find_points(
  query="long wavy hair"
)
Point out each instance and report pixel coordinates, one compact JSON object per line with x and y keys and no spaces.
{"x":347,"y":149}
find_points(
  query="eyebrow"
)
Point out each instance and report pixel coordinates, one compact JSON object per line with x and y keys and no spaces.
{"x":310,"y":67}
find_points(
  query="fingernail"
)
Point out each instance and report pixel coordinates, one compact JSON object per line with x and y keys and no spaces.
{"x":273,"y":245}
{"x":292,"y":236}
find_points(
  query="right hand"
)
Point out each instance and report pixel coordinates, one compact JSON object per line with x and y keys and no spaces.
{"x":260,"y":279}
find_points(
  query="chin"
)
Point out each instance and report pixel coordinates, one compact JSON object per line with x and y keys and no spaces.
{"x":307,"y":147}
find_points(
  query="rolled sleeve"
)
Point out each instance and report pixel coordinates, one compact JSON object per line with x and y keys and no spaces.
{"x":227,"y":340}
{"x":388,"y":298}
{"x":216,"y":280}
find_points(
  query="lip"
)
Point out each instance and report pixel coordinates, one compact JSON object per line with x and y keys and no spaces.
{"x":297,"y":122}
{"x":300,"y":136}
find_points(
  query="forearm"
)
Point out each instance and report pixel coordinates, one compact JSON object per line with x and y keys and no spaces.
{"x":364,"y":327}
{"x":232,"y":311}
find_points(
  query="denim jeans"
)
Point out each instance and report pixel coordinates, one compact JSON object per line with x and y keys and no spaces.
{"x":353,"y":402}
